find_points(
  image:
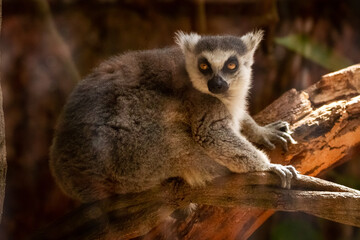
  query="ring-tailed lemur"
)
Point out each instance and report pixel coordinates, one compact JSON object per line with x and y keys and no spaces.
{"x":143,"y":117}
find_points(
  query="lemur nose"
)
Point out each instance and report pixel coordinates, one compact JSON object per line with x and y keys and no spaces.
{"x":217,"y":85}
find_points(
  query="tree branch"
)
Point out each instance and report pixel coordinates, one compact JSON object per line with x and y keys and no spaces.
{"x":132,"y":215}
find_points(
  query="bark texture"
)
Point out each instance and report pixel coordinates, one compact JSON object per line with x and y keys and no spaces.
{"x":3,"y":165}
{"x":326,"y":124}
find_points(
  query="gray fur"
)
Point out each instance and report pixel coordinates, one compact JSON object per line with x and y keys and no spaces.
{"x":137,"y":120}
{"x":224,"y":43}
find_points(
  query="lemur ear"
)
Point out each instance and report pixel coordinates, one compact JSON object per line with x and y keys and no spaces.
{"x":252,"y":39}
{"x":186,"y":41}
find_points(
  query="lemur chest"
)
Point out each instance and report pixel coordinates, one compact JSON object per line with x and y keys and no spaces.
{"x":236,"y":111}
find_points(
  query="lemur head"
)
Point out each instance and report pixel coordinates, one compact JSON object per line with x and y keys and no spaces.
{"x":219,"y":65}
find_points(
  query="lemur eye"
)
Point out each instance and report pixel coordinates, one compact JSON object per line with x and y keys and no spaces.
{"x":231,"y":66}
{"x":203,"y":66}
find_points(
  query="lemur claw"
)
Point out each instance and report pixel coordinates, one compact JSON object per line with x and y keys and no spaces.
{"x":286,"y":173}
{"x":278,"y":132}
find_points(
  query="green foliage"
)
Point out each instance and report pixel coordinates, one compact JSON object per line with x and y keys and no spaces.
{"x":295,"y":229}
{"x":314,"y":51}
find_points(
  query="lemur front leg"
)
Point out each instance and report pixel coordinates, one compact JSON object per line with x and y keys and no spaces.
{"x":234,"y":151}
{"x":276,"y":132}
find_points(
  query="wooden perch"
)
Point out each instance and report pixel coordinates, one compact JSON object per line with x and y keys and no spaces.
{"x":133,"y":215}
{"x":326,"y":124}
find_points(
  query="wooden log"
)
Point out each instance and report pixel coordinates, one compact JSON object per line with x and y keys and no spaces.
{"x":132,"y":215}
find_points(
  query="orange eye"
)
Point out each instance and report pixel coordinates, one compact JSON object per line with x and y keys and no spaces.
{"x":231,"y":66}
{"x":203,"y":66}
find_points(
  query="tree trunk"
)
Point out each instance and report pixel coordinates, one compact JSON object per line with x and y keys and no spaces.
{"x":3,"y":165}
{"x":326,"y":124}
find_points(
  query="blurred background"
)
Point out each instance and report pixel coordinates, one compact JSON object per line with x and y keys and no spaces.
{"x":47,"y":46}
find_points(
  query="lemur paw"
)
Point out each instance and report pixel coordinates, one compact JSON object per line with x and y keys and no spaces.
{"x":277,"y":132}
{"x":286,"y":173}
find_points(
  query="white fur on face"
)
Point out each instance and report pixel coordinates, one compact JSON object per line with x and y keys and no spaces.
{"x":196,"y":78}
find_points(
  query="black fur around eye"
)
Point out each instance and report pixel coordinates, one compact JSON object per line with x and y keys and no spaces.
{"x":204,"y":66}
{"x":231,"y":65}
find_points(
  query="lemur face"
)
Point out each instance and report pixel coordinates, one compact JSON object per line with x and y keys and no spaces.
{"x":218,"y":69}
{"x":219,"y":65}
